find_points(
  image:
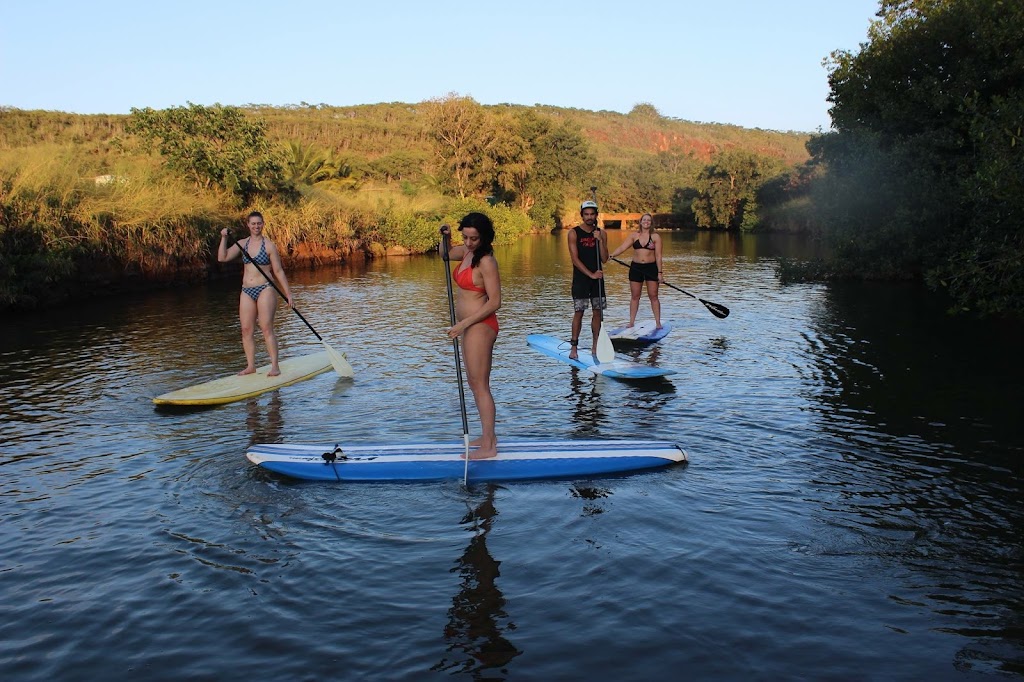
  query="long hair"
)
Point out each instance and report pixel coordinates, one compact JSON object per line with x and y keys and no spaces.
{"x":482,"y":224}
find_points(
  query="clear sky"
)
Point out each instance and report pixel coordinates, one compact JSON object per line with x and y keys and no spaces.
{"x":753,"y":63}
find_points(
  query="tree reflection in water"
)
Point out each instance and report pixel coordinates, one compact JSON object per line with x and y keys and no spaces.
{"x":477,"y":619}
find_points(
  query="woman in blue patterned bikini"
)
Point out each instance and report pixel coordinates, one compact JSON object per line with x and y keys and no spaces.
{"x":258,"y":300}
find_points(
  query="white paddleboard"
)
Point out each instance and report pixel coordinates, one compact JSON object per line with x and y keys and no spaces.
{"x":644,"y":332}
{"x":619,"y":368}
{"x":232,"y":388}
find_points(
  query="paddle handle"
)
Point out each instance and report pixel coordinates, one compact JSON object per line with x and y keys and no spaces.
{"x":445,"y":247}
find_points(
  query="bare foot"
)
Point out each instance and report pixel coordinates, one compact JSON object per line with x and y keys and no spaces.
{"x":274,"y":371}
{"x":630,"y":325}
{"x":658,"y":325}
{"x":572,"y":353}
{"x":483,"y":453}
{"x":475,"y":443}
{"x":247,"y":370}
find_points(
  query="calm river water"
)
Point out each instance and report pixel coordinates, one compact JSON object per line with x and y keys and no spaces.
{"x":851,"y":510}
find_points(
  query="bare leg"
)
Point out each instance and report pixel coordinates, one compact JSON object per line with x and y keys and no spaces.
{"x":577,"y":327}
{"x":634,"y":301}
{"x":652,"y":293}
{"x":478,"y":344}
{"x":247,"y":316}
{"x":595,"y":328}
{"x":267,"y":307}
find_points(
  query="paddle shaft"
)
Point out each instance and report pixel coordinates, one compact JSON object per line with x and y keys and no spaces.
{"x":445,"y":247}
{"x":716,"y":309}
{"x":246,"y":258}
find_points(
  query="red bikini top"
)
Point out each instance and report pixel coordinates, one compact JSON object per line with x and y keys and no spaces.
{"x":464,"y":278}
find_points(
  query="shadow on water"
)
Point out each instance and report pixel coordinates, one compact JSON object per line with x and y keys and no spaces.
{"x":931,"y":455}
{"x":477,"y":620}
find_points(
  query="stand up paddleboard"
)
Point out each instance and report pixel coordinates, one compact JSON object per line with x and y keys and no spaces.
{"x":617,"y":369}
{"x":431,"y":462}
{"x":645,"y":332}
{"x":233,"y":388}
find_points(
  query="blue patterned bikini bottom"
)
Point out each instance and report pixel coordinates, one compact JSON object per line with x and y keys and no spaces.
{"x":254,"y":292}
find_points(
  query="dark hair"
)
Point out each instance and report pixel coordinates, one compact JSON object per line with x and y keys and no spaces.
{"x":482,"y":224}
{"x":254,"y":214}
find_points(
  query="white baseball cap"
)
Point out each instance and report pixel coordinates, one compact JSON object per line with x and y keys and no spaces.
{"x":588,"y":204}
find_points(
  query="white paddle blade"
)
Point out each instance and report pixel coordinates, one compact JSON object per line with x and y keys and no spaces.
{"x":605,"y":349}
{"x":340,"y":364}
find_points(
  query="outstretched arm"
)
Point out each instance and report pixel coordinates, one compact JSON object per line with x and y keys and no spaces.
{"x":623,"y":246}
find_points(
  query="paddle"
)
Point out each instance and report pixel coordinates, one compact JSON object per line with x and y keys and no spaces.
{"x":338,"y":361}
{"x":717,"y":309}
{"x":445,"y":248}
{"x":605,"y":349}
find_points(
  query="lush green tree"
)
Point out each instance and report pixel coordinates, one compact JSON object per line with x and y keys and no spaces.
{"x":512,"y":158}
{"x":645,"y":110}
{"x":212,"y":146}
{"x":563,"y":161}
{"x":924,"y":171}
{"x":308,"y":165}
{"x":398,"y":166}
{"x":461,"y":135}
{"x":727,"y":189}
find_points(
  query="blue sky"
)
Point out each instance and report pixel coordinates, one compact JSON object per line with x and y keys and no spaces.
{"x":753,"y":63}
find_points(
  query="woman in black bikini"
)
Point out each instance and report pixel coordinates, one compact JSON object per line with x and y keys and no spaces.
{"x":646,"y":267}
{"x":258,"y":300}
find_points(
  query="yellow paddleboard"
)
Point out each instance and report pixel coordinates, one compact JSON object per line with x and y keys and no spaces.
{"x":232,"y":388}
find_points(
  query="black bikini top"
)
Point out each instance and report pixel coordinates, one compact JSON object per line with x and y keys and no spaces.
{"x":649,"y":246}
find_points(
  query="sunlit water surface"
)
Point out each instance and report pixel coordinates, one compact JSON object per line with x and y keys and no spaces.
{"x":851,"y":510}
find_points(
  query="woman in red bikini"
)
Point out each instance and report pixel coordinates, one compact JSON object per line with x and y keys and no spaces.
{"x":258,"y":300}
{"x":479,"y":299}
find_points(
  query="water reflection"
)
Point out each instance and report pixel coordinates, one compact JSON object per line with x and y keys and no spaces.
{"x":265,"y":425}
{"x":477,"y":619}
{"x":588,"y":412}
{"x":930,"y":461}
{"x":592,"y":496}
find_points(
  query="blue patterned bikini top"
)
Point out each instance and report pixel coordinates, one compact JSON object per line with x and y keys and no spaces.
{"x":260,"y":258}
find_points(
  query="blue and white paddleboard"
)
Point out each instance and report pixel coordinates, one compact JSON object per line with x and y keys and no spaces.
{"x":433,"y":461}
{"x":616,"y":369}
{"x":645,"y":332}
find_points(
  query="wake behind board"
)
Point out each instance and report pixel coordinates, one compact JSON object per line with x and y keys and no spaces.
{"x":645,"y":332}
{"x":616,"y":369}
{"x":233,"y":388}
{"x":521,"y":460}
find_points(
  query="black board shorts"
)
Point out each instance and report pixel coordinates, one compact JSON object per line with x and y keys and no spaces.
{"x":643,"y":272}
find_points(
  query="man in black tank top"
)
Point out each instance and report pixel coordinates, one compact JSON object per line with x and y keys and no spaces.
{"x":587,"y":244}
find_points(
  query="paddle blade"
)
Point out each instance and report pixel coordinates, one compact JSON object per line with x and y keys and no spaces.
{"x":605,"y":349}
{"x":716,"y":309}
{"x":338,"y":361}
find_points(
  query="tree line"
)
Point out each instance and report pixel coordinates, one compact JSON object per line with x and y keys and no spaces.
{"x":90,"y":200}
{"x":923,"y":175}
